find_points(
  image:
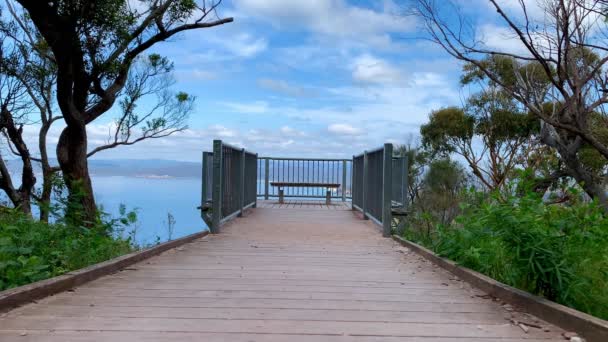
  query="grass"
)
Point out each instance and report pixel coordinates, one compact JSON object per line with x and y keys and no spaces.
{"x":31,"y":250}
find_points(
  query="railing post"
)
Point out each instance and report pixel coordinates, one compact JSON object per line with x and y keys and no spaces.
{"x":352,"y":184}
{"x":365,"y":185}
{"x":255,"y":203}
{"x":387,"y":179}
{"x":204,"y":184}
{"x":242,"y":184}
{"x":344,"y":181}
{"x":266,"y":177}
{"x":405,"y":169}
{"x":217,"y":187}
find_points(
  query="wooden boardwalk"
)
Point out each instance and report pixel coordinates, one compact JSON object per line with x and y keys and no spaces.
{"x":299,"y":273}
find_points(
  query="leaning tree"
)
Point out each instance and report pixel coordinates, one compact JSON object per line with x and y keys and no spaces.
{"x":95,"y":45}
{"x":567,"y":47}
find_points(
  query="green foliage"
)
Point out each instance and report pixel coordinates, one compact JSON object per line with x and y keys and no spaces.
{"x":506,"y":71}
{"x":436,"y":202}
{"x":181,"y":9}
{"x":556,"y":251}
{"x":444,"y":176}
{"x":182,"y":97}
{"x":32,"y":250}
{"x":447,"y":129}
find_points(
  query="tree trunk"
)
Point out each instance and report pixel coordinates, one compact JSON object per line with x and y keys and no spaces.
{"x":48,"y":172}
{"x":72,"y":157}
{"x":586,"y":180}
{"x":44,"y":204}
{"x":21,"y":198}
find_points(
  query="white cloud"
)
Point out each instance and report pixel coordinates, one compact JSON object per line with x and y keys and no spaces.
{"x":256,"y":107}
{"x":244,"y":44}
{"x":195,"y":75}
{"x":369,"y":69}
{"x":343,"y":129}
{"x":428,"y":79}
{"x":331,"y":18}
{"x":291,"y":132}
{"x":283,"y":87}
{"x":500,"y":38}
{"x":221,"y":131}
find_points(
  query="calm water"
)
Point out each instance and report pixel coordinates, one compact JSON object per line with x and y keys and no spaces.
{"x":153,"y":199}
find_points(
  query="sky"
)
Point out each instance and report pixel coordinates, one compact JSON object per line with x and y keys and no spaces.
{"x":309,"y":78}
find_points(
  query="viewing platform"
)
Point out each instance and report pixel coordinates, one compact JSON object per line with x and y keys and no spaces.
{"x":300,"y":272}
{"x":309,"y":264}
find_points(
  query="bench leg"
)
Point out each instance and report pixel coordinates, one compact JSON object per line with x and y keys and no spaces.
{"x":328,"y":197}
{"x":281,"y":196}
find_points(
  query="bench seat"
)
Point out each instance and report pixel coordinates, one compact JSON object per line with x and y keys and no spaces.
{"x":282,"y":185}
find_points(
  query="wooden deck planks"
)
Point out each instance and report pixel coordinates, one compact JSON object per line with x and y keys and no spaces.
{"x":302,"y":272}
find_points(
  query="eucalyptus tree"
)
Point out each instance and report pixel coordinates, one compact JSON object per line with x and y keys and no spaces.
{"x":566,"y":47}
{"x":489,"y":133}
{"x":14,"y":107}
{"x":96,"y":47}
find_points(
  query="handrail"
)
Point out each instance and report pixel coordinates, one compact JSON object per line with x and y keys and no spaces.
{"x":233,"y":179}
{"x":311,"y":159}
{"x":304,"y":170}
{"x":379,"y":185}
{"x":229,"y":183}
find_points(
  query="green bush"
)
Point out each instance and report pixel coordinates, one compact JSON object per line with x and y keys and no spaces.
{"x":556,"y":251}
{"x":31,"y":250}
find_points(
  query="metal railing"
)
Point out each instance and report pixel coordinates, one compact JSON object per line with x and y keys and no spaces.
{"x":234,"y":178}
{"x":229,"y":183}
{"x":304,"y":170}
{"x":379,"y":185}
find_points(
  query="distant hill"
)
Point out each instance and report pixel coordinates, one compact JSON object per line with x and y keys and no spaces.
{"x":149,"y":168}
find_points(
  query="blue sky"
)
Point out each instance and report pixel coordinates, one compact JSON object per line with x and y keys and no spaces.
{"x":326,"y":78}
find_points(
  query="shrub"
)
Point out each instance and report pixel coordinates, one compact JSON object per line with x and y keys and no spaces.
{"x":556,"y":251}
{"x":31,"y":250}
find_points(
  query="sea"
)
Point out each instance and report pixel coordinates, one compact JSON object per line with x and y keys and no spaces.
{"x":154,"y":200}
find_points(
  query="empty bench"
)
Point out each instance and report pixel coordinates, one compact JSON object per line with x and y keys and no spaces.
{"x":327,"y":186}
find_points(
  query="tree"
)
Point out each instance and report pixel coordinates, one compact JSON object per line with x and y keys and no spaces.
{"x":417,"y":161}
{"x":14,"y":107}
{"x":565,"y":50}
{"x":489,"y":133}
{"x":95,"y":45}
{"x":438,"y":201}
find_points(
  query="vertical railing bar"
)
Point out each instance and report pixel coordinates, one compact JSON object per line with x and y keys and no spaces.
{"x":297,"y":175}
{"x":204,"y":184}
{"x":217,"y":187}
{"x":321,"y":179}
{"x":340,"y":165}
{"x":266,"y":177}
{"x":405,"y":180}
{"x":365,"y":190}
{"x":352,"y":184}
{"x":255,"y":172}
{"x":309,"y":174}
{"x":344,"y":181}
{"x":319,"y":164}
{"x":387,"y":179}
{"x":242,"y":183}
{"x":333,"y":176}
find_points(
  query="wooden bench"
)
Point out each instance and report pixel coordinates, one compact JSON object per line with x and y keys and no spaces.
{"x":327,"y":186}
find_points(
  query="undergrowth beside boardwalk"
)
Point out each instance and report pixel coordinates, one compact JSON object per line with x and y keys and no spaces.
{"x":556,"y":251}
{"x":31,"y":250}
